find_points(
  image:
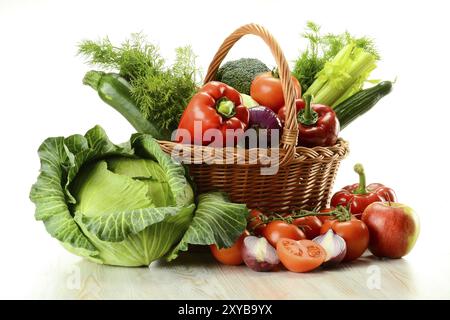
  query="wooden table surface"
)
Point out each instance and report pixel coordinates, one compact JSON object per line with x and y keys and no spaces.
{"x":38,"y":267}
{"x":198,"y":276}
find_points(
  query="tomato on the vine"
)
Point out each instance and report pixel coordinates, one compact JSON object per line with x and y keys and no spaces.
{"x":277,"y":229}
{"x":324,"y":218}
{"x":310,"y":226}
{"x":255,"y":224}
{"x":354,"y":232}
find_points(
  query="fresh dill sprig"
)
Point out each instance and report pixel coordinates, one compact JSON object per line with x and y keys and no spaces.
{"x":134,"y":57}
{"x":160,"y":91}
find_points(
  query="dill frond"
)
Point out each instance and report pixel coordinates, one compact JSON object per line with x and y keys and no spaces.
{"x":161,"y":92}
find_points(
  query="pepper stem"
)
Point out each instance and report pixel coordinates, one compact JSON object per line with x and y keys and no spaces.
{"x":308,"y":116}
{"x":226,"y":108}
{"x":359,"y":169}
{"x":275,"y":73}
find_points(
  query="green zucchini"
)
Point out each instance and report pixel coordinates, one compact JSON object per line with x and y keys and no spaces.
{"x":361,"y":102}
{"x":116,"y":92}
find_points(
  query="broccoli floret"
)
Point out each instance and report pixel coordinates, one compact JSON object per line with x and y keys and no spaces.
{"x":240,"y":73}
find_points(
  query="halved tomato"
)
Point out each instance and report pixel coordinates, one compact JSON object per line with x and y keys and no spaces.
{"x":301,"y":255}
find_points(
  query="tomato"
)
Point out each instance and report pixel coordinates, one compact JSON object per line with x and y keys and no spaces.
{"x":300,"y":256}
{"x":310,"y":226}
{"x":354,"y":232}
{"x":299,"y":105}
{"x":255,"y":224}
{"x":325,"y":218}
{"x":267,"y":91}
{"x":231,"y":256}
{"x":277,"y":229}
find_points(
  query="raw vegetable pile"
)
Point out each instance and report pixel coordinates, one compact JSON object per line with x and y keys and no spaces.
{"x":131,"y":204}
{"x":157,"y":98}
{"x":361,"y":217}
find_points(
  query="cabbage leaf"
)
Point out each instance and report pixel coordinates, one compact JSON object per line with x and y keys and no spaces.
{"x":127,"y":204}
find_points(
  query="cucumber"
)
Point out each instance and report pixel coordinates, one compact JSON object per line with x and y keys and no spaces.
{"x":361,"y":102}
{"x":116,"y":92}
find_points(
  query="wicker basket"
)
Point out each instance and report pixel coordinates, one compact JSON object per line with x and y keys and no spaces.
{"x":305,"y":176}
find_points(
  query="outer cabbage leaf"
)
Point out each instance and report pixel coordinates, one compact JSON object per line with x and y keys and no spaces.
{"x":135,"y":236}
{"x":216,"y":221}
{"x":50,"y":199}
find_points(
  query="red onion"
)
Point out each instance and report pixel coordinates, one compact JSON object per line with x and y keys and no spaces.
{"x":263,"y":120}
{"x":258,"y":254}
{"x":334,"y":246}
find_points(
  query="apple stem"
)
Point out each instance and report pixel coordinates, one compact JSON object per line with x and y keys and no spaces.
{"x":388,"y":198}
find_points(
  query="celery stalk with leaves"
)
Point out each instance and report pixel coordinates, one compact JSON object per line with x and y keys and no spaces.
{"x":334,"y":64}
{"x":342,"y":76}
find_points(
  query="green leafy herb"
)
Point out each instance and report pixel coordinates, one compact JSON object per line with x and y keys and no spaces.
{"x":161,"y":91}
{"x":323,"y":48}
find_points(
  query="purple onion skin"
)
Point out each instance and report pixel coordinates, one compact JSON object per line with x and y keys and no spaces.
{"x":339,"y":249}
{"x":250,"y":256}
{"x":265,"y":119}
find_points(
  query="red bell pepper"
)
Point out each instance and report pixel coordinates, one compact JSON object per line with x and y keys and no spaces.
{"x":317,"y":125}
{"x":358,"y":196}
{"x":216,"y":106}
{"x":299,"y":105}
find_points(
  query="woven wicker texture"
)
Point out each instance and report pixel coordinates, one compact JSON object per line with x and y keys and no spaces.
{"x":305,"y":176}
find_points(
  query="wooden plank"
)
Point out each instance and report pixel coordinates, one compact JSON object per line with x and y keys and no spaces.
{"x":198,"y":276}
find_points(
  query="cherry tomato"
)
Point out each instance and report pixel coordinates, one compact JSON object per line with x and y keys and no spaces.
{"x":231,"y":256}
{"x":354,"y":232}
{"x":299,"y":105}
{"x":277,"y":229}
{"x":255,"y":224}
{"x":267,"y":91}
{"x":310,"y":226}
{"x":300,"y":256}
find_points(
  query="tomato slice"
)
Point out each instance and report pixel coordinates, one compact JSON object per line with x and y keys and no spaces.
{"x":301,"y":255}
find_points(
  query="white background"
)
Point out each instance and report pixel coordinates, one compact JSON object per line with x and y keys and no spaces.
{"x":403,"y":142}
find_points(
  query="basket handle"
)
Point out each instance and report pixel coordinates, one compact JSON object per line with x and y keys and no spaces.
{"x":290,"y":130}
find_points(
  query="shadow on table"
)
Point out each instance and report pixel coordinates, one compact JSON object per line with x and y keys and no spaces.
{"x":196,"y":256}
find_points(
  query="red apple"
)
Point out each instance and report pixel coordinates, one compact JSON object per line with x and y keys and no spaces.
{"x":393,"y":228}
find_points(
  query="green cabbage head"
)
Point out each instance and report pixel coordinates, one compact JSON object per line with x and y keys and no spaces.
{"x":128,"y":204}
